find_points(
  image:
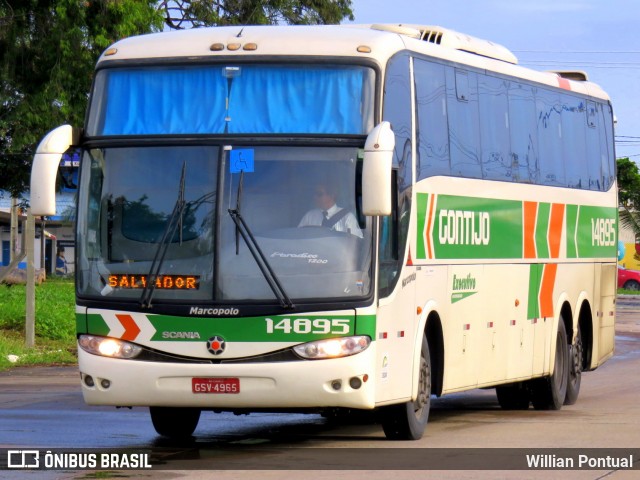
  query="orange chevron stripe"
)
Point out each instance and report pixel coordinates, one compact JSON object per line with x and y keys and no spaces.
{"x":530,"y":211}
{"x":429,"y":223}
{"x":546,"y":289}
{"x":131,"y":329}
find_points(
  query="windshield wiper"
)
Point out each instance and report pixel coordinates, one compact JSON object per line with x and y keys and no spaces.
{"x":175,"y":220}
{"x":261,"y":260}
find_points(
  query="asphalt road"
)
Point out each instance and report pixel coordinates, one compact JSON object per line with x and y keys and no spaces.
{"x":42,"y":408}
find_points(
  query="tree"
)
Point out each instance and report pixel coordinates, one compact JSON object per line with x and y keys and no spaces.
{"x":629,"y":194}
{"x":195,"y":13}
{"x":48,"y":50}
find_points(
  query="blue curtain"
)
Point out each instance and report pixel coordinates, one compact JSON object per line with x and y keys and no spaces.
{"x":154,"y":101}
{"x":262,"y":99}
{"x":296,"y":100}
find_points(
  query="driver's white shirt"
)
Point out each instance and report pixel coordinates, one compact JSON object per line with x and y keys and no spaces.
{"x":348,"y":223}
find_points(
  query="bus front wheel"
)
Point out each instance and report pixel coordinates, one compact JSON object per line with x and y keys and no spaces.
{"x":174,"y":422}
{"x":407,"y":421}
{"x":549,"y":393}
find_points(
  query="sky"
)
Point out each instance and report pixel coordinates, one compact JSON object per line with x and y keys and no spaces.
{"x":599,"y":37}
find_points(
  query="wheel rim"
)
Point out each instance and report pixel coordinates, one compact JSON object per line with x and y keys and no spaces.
{"x":576,"y":367}
{"x":424,"y":388}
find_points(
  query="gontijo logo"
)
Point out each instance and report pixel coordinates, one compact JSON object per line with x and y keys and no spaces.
{"x":464,"y":227}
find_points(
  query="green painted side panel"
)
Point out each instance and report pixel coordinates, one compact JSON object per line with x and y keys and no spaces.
{"x":81,"y":323}
{"x":572,"y":221}
{"x":366,"y":325}
{"x":535,"y":280}
{"x":542,"y":230}
{"x":472,"y":227}
{"x":423,"y":202}
{"x":254,"y":329}
{"x":597,"y":232}
{"x":96,"y":325}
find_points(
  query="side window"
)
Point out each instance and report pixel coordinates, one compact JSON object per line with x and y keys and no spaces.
{"x":431,"y":121}
{"x":462,"y":105}
{"x":397,"y":110}
{"x":394,"y":229}
{"x":594,"y":162}
{"x":574,"y":143}
{"x":607,"y":156}
{"x":494,"y":128}
{"x":524,"y":134}
{"x":548,"y":111}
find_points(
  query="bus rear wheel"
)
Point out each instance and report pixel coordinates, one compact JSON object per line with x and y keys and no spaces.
{"x":174,"y":422}
{"x":549,"y":393}
{"x":407,"y":421}
{"x":575,"y":370}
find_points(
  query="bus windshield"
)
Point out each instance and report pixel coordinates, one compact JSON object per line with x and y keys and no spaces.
{"x":232,"y":99}
{"x":301,"y":205}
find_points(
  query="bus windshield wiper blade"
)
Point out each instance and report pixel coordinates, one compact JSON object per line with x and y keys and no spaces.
{"x":261,"y":260}
{"x":175,"y":220}
{"x":243,"y":230}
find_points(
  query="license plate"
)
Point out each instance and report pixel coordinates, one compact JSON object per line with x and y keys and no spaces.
{"x":215,"y":385}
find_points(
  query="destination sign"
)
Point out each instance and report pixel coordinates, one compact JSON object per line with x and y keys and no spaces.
{"x":164,"y":282}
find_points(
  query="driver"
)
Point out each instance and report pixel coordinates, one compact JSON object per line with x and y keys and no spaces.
{"x":328,"y":214}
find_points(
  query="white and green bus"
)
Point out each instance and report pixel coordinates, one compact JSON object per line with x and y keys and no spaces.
{"x":336,"y":218}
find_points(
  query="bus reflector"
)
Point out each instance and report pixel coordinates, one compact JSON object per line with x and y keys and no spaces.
{"x":363,"y":49}
{"x":250,"y":46}
{"x":233,"y":46}
{"x":217,"y":47}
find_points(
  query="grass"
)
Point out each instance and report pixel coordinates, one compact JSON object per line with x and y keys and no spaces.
{"x":55,"y":341}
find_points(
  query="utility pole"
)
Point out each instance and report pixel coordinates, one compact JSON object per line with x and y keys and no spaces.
{"x":13,"y":233}
{"x":30,"y":322}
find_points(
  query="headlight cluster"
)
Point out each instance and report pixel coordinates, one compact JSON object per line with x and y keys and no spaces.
{"x":108,"y":347}
{"x":333,"y":347}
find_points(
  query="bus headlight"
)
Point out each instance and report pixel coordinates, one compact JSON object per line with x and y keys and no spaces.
{"x":108,"y":347}
{"x":333,"y":347}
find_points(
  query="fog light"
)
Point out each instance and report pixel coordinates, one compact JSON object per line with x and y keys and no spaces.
{"x":355,"y":383}
{"x":336,"y":384}
{"x":88,"y":381}
{"x":105,"y":383}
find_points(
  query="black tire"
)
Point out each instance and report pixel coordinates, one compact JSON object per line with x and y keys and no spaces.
{"x":575,"y":370}
{"x":548,"y":393}
{"x":514,"y":396}
{"x":631,"y":285}
{"x":407,"y":421}
{"x":174,"y":422}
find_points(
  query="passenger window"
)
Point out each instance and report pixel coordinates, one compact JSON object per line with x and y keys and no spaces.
{"x":549,"y":110}
{"x":464,"y":121}
{"x":524,"y":133}
{"x":431,"y":121}
{"x":494,"y":128}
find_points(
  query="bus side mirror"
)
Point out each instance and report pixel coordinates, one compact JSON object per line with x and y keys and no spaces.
{"x":45,"y":168}
{"x":376,"y":171}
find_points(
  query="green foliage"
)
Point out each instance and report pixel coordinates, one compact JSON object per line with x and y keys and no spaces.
{"x":195,"y":13}
{"x":628,"y":182}
{"x":45,"y":352}
{"x":629,"y":194}
{"x":55,"y":324}
{"x":48,"y":49}
{"x":55,"y":309}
